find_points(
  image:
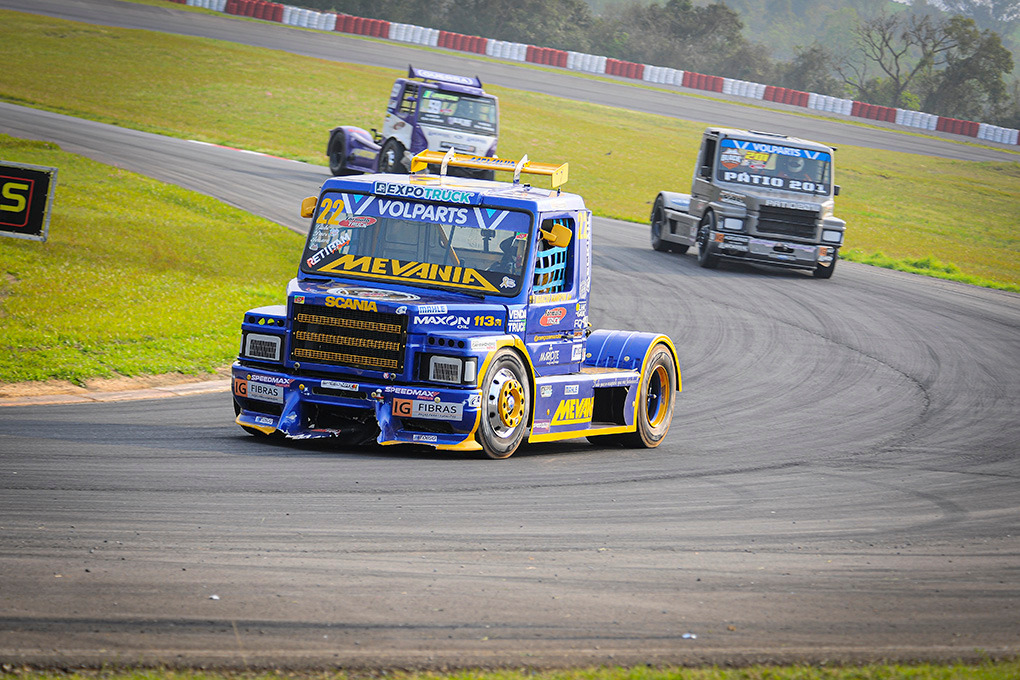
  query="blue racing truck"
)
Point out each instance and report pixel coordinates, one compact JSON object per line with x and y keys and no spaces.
{"x":450,"y":312}
{"x":427,"y":110}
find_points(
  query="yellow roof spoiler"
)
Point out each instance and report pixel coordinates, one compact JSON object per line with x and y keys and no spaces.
{"x":557,"y":173}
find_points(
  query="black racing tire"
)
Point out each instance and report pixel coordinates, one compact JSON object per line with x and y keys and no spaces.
{"x":706,"y":258}
{"x":337,"y":152}
{"x":657,"y":398}
{"x":506,"y":405}
{"x":658,"y":220}
{"x":391,"y":158}
{"x":821,"y":272}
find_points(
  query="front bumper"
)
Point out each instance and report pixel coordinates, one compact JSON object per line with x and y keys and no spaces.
{"x":770,"y":251}
{"x":355,"y":410}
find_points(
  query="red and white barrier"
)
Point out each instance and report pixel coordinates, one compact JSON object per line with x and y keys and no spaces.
{"x":591,"y":63}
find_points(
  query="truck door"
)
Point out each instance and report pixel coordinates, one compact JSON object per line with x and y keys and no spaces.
{"x":701,"y":186}
{"x":558,"y":309}
{"x":401,"y":113}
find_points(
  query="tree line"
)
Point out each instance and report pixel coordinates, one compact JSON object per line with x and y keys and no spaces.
{"x":916,"y":57}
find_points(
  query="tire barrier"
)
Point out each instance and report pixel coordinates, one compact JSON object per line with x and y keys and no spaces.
{"x":592,"y":63}
{"x":663,"y":75}
{"x":884,"y":114}
{"x":545,"y":56}
{"x":784,"y":95}
{"x":743,"y":88}
{"x":917,"y":119}
{"x":461,"y":42}
{"x":373,"y":28}
{"x":700,"y":81}
{"x":625,"y":69}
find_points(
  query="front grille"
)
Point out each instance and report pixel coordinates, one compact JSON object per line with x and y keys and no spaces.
{"x":788,"y":222}
{"x":349,"y":337}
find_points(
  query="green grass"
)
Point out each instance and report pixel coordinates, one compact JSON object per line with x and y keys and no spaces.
{"x":137,"y":277}
{"x":905,"y":207}
{"x":991,"y":670}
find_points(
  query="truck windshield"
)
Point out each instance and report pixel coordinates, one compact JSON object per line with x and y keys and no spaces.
{"x":775,"y":166}
{"x":458,"y":111}
{"x":452,"y":246}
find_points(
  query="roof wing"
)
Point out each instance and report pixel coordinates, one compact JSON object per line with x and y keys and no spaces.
{"x":439,"y":77}
{"x":557,"y":173}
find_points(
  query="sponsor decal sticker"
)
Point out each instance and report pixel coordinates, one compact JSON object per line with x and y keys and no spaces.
{"x":357,"y":222}
{"x":432,"y":309}
{"x":483,"y":344}
{"x":338,"y":385}
{"x":374,"y":294}
{"x":429,"y":410}
{"x":271,"y":379}
{"x":346,"y":303}
{"x":551,"y":356}
{"x":552,"y":317}
{"x":451,"y":320}
{"x":573,"y":411}
{"x":409,"y":272}
{"x":426,"y":193}
{"x":546,"y":391}
{"x":570,"y":390}
{"x":264,"y":392}
{"x":577,"y":352}
{"x":425,"y":438}
{"x":413,"y":392}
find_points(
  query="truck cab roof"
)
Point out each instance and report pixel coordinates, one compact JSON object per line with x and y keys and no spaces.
{"x":767,"y":138}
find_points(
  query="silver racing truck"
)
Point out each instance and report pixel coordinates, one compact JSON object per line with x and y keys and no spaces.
{"x":758,"y":197}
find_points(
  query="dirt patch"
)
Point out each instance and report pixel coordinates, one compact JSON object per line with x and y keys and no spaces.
{"x":116,"y":384}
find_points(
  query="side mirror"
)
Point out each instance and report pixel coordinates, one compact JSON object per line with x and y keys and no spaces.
{"x":308,"y":206}
{"x":558,"y":236}
{"x":835,"y":190}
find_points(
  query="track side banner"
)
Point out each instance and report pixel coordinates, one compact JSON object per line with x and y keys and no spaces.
{"x":26,"y":199}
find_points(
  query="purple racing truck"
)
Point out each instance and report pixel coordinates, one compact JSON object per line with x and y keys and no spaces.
{"x":427,"y":110}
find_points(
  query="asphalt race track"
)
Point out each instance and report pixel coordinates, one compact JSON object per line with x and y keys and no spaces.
{"x":840,"y":484}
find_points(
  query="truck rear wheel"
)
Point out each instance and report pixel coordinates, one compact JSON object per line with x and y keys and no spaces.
{"x":654,"y":408}
{"x":706,"y":258}
{"x":506,"y":405}
{"x":821,"y":272}
{"x":653,"y":412}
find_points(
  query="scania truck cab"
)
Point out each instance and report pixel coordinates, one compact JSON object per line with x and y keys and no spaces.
{"x":450,"y":312}
{"x":757,"y":197}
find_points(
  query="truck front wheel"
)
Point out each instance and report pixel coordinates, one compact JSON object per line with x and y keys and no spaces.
{"x":391,"y":158}
{"x":706,"y":258}
{"x":658,"y":224}
{"x":337,"y":152}
{"x":506,"y":404}
{"x":821,"y":272}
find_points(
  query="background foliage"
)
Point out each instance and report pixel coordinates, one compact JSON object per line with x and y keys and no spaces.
{"x":812,"y":45}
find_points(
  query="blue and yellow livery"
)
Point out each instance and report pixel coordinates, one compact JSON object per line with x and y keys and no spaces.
{"x":450,"y":312}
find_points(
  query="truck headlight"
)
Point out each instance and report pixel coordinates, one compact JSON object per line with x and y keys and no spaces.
{"x":732,"y":224}
{"x":832,"y":236}
{"x":261,"y":347}
{"x":452,"y":370}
